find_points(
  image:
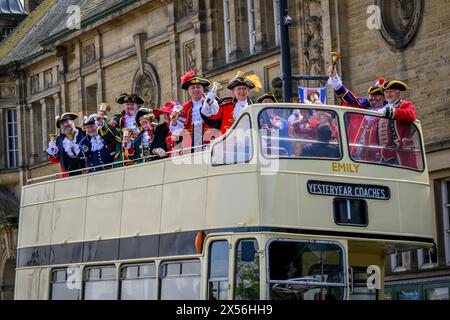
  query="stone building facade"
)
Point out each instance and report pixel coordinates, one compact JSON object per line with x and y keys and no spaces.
{"x":72,"y":55}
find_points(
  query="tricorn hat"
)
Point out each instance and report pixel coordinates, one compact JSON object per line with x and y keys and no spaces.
{"x":241,"y":80}
{"x":89,"y":120}
{"x":395,"y":84}
{"x":144,"y":112}
{"x":190,"y":78}
{"x":377,"y":88}
{"x":267,"y":96}
{"x":125,"y":97}
{"x":64,"y":117}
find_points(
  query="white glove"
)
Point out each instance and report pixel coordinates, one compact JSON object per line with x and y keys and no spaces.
{"x":210,"y":97}
{"x":160,"y":152}
{"x":52,"y":148}
{"x":335,"y":82}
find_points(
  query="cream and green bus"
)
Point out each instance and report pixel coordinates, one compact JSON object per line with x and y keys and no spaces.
{"x":294,"y":202}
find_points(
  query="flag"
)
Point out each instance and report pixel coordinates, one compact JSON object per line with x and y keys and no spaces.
{"x":303,"y":94}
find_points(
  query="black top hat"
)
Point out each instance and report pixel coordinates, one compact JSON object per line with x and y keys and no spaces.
{"x":190,"y":78}
{"x":395,"y":84}
{"x":142,"y":112}
{"x":64,"y":117}
{"x":267,"y":96}
{"x":124,"y":98}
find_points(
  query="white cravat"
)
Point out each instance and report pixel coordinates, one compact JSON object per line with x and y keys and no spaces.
{"x":238,"y":108}
{"x":197,"y":123}
{"x":96,"y":143}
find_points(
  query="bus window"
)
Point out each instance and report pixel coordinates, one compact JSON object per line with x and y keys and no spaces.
{"x":218,"y":270}
{"x":138,"y":282}
{"x":247,"y":270}
{"x":383,"y":141}
{"x":100,"y":283}
{"x":64,"y":286}
{"x":299,"y":133}
{"x":305,"y":270}
{"x":236,"y":147}
{"x":180,"y":280}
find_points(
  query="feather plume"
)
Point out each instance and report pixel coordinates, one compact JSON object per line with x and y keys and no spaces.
{"x":187,"y":76}
{"x":254,"y":78}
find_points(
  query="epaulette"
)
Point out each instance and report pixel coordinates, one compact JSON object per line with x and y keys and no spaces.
{"x":226,"y":100}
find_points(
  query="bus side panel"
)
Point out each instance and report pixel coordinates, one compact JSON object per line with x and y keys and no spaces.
{"x":68,"y":221}
{"x":103,"y":216}
{"x":232,"y":201}
{"x":27,"y":284}
{"x":415,"y":210}
{"x":37,"y":193}
{"x":36,"y":222}
{"x":279,"y":200}
{"x":183,"y":206}
{"x":141,"y":211}
{"x":71,"y":188}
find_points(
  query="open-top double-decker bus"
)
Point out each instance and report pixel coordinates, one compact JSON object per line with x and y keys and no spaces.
{"x":294,"y":202}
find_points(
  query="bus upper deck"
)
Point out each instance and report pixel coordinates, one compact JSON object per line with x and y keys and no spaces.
{"x":269,"y":174}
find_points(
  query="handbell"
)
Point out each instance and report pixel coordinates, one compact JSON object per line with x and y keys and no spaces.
{"x":336,"y":56}
{"x":105,"y":107}
{"x":126,"y":132}
{"x":216,"y":87}
{"x":178,"y":109}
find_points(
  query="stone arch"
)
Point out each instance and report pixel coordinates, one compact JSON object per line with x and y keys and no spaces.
{"x":7,"y":279}
{"x":148,"y":86}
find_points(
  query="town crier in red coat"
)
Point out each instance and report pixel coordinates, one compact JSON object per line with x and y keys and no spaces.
{"x":395,"y":131}
{"x":231,"y":108}
{"x":196,"y":129}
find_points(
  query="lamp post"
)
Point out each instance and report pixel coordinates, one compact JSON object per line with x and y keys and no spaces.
{"x":286,"y":76}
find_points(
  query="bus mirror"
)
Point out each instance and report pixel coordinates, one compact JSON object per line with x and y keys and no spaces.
{"x":248,"y":251}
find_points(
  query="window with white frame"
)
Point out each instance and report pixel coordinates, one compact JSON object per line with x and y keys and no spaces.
{"x":446,"y":213}
{"x":12,"y":141}
{"x":400,"y":261}
{"x":425,"y":258}
{"x":227,"y":29}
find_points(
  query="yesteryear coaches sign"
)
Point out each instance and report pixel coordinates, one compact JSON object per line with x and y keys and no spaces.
{"x":349,"y":190}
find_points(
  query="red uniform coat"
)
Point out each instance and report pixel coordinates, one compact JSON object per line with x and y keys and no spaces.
{"x":226,"y":109}
{"x":209,"y":133}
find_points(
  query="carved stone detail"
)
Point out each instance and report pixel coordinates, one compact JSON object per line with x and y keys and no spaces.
{"x":48,"y":79}
{"x":35,"y":86}
{"x":7,"y":91}
{"x":400,"y":20}
{"x":313,"y":46}
{"x":190,"y":61}
{"x":184,"y":8}
{"x":89,"y":53}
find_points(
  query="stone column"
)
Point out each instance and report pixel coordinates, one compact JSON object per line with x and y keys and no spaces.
{"x":175,"y":61}
{"x":32,"y":133}
{"x":258,"y":25}
{"x":19,"y":135}
{"x":57,"y":101}
{"x":44,"y":124}
{"x":233,"y":30}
